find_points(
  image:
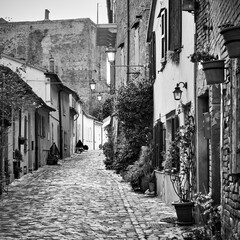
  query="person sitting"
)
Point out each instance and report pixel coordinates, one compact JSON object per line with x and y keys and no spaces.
{"x":79,"y":146}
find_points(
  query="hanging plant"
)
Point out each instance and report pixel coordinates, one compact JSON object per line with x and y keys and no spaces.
{"x":202,"y":56}
{"x":212,"y":66}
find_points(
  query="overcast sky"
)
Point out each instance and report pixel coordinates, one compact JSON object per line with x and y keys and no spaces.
{"x":34,"y":10}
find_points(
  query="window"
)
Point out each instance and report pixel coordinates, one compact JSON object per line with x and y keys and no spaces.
{"x":136,"y":45}
{"x":163,"y":36}
{"x":41,"y":122}
{"x":48,"y":91}
{"x":152,"y":57}
{"x":122,"y":63}
{"x":175,"y":25}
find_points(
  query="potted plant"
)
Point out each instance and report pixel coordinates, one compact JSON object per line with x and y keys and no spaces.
{"x":212,"y":66}
{"x":181,"y":170}
{"x":210,"y":214}
{"x":17,"y":169}
{"x":140,"y":174}
{"x":21,"y":140}
{"x":231,"y":35}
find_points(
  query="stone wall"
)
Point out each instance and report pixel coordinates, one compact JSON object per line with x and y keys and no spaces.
{"x":209,"y":16}
{"x":138,"y":11}
{"x":72,"y":44}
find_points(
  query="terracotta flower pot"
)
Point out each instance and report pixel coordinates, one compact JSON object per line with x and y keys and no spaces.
{"x":214,"y":71}
{"x":21,"y":140}
{"x":231,"y":37}
{"x":184,"y":211}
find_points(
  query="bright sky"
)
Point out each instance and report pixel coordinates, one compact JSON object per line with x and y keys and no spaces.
{"x":34,"y":10}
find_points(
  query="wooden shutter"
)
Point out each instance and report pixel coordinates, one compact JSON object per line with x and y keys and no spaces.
{"x":159,"y":145}
{"x":152,"y":56}
{"x":164,"y":32}
{"x":235,"y":168}
{"x":175,"y":24}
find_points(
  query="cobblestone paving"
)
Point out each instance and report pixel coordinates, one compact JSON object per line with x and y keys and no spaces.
{"x":79,"y":199}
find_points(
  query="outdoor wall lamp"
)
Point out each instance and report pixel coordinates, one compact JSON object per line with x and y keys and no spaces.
{"x":177,"y":93}
{"x":111,"y":54}
{"x":99,"y":97}
{"x":92,"y":85}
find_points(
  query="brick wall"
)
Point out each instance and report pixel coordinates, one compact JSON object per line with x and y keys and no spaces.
{"x":72,"y":44}
{"x":210,"y":15}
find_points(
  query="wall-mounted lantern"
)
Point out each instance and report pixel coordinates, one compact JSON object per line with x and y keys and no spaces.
{"x":111,"y":54}
{"x":177,"y":93}
{"x":99,"y":97}
{"x":92,"y":85}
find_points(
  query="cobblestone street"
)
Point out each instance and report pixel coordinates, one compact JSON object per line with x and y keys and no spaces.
{"x":79,"y":199}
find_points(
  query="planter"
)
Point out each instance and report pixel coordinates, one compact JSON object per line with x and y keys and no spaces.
{"x":144,"y":183}
{"x":184,"y":212}
{"x":52,"y":160}
{"x":21,"y":140}
{"x":214,"y":71}
{"x":231,"y":37}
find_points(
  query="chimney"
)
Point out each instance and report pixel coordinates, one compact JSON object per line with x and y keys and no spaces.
{"x":47,"y":14}
{"x":51,"y":64}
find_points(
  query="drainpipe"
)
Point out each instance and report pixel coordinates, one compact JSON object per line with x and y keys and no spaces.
{"x":60,"y":124}
{"x":83,"y":127}
{"x":36,"y":140}
{"x":20,"y":129}
{"x":128,"y":38}
{"x":93,"y":134}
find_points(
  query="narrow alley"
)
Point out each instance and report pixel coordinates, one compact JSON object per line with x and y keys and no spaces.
{"x":79,"y":199}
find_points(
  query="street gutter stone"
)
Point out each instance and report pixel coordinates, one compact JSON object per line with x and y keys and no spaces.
{"x":79,"y":199}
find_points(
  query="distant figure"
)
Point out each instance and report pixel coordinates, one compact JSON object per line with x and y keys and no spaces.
{"x":85,"y":147}
{"x":53,"y":155}
{"x":79,"y":146}
{"x":54,"y":150}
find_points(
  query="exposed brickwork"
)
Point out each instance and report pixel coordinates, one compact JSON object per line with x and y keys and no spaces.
{"x":210,"y":15}
{"x":72,"y":44}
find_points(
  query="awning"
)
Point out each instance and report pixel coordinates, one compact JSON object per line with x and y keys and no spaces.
{"x":106,"y":34}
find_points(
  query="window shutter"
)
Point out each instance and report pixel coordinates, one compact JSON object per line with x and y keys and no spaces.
{"x":235,"y":165}
{"x":175,"y":24}
{"x":163,"y":16}
{"x":152,"y":56}
{"x":159,"y":145}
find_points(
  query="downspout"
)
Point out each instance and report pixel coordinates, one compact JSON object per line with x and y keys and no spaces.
{"x":82,"y":127}
{"x":20,"y":129}
{"x":128,"y":38}
{"x":93,"y":134}
{"x":60,"y":124}
{"x":36,"y":141}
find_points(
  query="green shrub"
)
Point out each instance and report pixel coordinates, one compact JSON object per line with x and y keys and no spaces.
{"x":140,"y":168}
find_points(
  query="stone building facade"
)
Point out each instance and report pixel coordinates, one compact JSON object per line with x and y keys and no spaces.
{"x":219,"y":152}
{"x":131,"y":18}
{"x":70,"y":46}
